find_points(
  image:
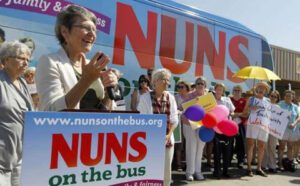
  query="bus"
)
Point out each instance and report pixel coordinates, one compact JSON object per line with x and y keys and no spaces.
{"x":148,"y":34}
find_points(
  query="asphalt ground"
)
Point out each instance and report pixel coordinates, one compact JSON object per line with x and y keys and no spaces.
{"x":239,"y":177}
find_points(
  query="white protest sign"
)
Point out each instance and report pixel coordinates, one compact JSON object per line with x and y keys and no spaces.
{"x":262,"y":115}
{"x":279,"y":121}
{"x":270,"y":118}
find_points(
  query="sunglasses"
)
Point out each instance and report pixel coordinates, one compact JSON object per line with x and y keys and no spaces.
{"x":143,"y":81}
{"x":180,"y":86}
{"x":236,"y":90}
{"x":272,"y":96}
{"x":200,"y":83}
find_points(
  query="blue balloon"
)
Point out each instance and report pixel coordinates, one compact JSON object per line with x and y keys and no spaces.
{"x":206,"y":134}
{"x":194,"y":113}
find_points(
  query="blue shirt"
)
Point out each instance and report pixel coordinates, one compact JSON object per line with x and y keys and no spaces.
{"x":293,"y":109}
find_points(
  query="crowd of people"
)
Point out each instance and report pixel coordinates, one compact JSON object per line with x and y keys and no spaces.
{"x":66,"y":79}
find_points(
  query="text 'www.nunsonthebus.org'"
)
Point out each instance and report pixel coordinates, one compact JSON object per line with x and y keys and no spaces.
{"x":113,"y":121}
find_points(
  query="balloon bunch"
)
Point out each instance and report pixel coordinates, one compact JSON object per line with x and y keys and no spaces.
{"x":215,"y":121}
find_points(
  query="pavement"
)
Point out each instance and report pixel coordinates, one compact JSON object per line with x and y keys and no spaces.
{"x":239,"y":178}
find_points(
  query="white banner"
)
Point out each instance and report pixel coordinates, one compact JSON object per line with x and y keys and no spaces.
{"x":270,"y":118}
{"x":279,"y":121}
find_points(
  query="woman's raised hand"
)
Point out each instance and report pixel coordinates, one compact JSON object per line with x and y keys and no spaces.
{"x":93,"y":70}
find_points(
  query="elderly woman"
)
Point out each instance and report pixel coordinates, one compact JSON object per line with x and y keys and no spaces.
{"x":239,"y":102}
{"x":194,"y":146}
{"x":14,"y":101}
{"x":254,"y":132}
{"x":160,"y":101}
{"x":183,"y":88}
{"x":269,"y":160}
{"x":66,"y":79}
{"x":290,"y":136}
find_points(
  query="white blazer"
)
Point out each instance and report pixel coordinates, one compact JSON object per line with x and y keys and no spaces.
{"x":55,"y":77}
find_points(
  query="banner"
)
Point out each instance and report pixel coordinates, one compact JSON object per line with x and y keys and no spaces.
{"x":93,"y":149}
{"x":279,"y":121}
{"x":52,"y":8}
{"x":270,"y":118}
{"x":208,"y":102}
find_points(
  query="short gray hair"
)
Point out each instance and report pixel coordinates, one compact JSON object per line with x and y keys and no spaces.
{"x":237,"y":87}
{"x":159,"y":73}
{"x":13,"y":49}
{"x":25,"y":40}
{"x":68,"y":16}
{"x":201,"y":78}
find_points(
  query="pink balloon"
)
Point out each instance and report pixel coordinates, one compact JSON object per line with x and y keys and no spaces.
{"x":221,"y":112}
{"x":228,"y":127}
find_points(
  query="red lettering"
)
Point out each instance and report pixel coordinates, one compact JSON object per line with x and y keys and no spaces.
{"x":138,"y":146}
{"x":127,"y":25}
{"x":237,"y":56}
{"x":168,"y":45}
{"x":207,"y":47}
{"x":60,"y":146}
{"x":113,"y":144}
{"x":86,"y":149}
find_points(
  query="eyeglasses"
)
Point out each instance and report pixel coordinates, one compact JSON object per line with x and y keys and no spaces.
{"x":19,"y":58}
{"x":165,"y":80}
{"x":236,"y":90}
{"x":143,"y":81}
{"x":180,"y":86}
{"x":200,"y":83}
{"x":87,"y":28}
{"x":273,"y":96}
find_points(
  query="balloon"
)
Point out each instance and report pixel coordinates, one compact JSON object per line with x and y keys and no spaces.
{"x":206,"y":134}
{"x":221,"y":112}
{"x":228,"y":127}
{"x":217,"y":130}
{"x":194,"y":113}
{"x":209,"y":120}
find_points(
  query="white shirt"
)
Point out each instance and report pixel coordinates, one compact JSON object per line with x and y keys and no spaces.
{"x":145,"y":107}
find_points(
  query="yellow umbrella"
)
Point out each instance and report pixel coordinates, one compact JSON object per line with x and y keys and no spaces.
{"x":256,"y":72}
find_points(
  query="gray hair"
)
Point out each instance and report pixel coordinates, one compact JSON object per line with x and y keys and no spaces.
{"x":26,"y":40}
{"x":67,"y":18}
{"x":159,"y":73}
{"x":117,"y":72}
{"x":237,"y":87}
{"x":201,"y":78}
{"x":13,"y":49}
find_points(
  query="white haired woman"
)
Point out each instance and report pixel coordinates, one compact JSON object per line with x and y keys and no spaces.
{"x":15,"y":100}
{"x":160,"y":101}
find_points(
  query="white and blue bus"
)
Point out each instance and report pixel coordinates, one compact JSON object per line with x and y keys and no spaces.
{"x":143,"y":34}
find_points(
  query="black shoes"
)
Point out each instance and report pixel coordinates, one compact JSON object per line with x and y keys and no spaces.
{"x":216,"y":175}
{"x":272,"y":171}
{"x":226,"y":176}
{"x":240,"y":166}
{"x":250,"y":173}
{"x":261,"y":173}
